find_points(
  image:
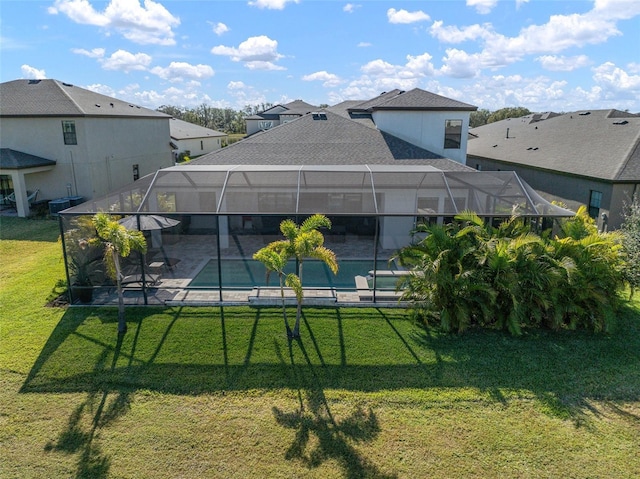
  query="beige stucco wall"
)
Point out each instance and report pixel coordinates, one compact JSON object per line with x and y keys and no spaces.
{"x":102,"y":160}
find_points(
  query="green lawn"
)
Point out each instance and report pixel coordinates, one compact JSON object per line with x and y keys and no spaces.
{"x":220,"y":392}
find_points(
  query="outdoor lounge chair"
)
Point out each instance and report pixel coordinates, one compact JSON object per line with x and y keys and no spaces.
{"x":31,"y":198}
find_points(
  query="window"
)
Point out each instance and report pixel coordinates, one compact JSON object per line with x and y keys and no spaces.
{"x":452,"y":133}
{"x":265,"y":125}
{"x":595,"y":199}
{"x":69,"y":132}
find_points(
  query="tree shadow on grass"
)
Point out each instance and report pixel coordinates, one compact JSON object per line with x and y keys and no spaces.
{"x":99,"y":409}
{"x":565,"y":371}
{"x":335,"y":438}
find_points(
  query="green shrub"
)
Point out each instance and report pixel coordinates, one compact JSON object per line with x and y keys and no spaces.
{"x":470,"y":273}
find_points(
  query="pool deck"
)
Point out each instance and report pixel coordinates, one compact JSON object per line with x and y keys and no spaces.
{"x":193,"y":252}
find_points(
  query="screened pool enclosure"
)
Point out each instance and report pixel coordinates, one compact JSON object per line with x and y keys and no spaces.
{"x":223,"y":214}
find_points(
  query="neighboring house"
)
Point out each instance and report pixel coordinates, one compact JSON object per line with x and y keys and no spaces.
{"x":277,"y":115}
{"x":395,"y":129}
{"x":66,"y":141}
{"x":589,"y":157}
{"x":194,"y":140}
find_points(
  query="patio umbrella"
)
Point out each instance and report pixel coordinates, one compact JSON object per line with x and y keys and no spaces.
{"x":148,"y":222}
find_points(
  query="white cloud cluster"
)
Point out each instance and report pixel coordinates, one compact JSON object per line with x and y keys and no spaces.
{"x":328,"y":80}
{"x":406,"y":17}
{"x":150,"y":23}
{"x":179,"y":71}
{"x":32,"y":73}
{"x":125,"y":61}
{"x":483,"y":7}
{"x":257,"y":53}
{"x":350,"y":7}
{"x":379,"y":75}
{"x":562,"y":63}
{"x":271,"y":4}
{"x":220,"y":28}
{"x":560,"y":33}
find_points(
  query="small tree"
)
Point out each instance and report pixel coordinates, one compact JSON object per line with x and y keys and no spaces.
{"x":631,"y":243}
{"x":118,"y":242}
{"x":274,"y":257}
{"x":301,"y":242}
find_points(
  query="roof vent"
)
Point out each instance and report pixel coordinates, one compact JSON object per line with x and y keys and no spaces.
{"x":318,"y":115}
{"x":584,"y":113}
{"x":34,"y":82}
{"x":98,"y":105}
{"x":623,"y":122}
{"x":111,"y":105}
{"x":67,"y":84}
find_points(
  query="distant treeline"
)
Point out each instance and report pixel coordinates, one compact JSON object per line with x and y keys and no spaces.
{"x":484,"y":117}
{"x":228,"y":120}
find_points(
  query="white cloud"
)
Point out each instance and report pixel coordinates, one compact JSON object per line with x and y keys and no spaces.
{"x":244,"y":94}
{"x":328,"y":79}
{"x":236,"y":85}
{"x":614,"y":78}
{"x":94,"y":53}
{"x":271,"y":4}
{"x":220,"y":28}
{"x":179,"y":71}
{"x":32,"y":73}
{"x":520,"y":3}
{"x":257,"y":53}
{"x":126,"y":61}
{"x":482,"y":6}
{"x":560,"y":33}
{"x":562,"y":63}
{"x":403,"y":16}
{"x":453,"y":34}
{"x":150,"y":23}
{"x":102,"y":89}
{"x":364,"y":44}
{"x":350,"y":7}
{"x":379,"y":75}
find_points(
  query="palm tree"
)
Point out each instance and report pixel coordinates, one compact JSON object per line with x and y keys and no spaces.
{"x":301,"y":242}
{"x":274,"y":257}
{"x":118,"y":242}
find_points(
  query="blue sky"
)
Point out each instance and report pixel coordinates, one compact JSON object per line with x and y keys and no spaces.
{"x":541,"y":54}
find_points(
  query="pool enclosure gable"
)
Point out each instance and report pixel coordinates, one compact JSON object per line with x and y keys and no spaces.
{"x":369,"y":190}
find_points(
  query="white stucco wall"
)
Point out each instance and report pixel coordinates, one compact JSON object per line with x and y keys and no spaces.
{"x":196,"y":148}
{"x":425,"y":129}
{"x":102,"y":160}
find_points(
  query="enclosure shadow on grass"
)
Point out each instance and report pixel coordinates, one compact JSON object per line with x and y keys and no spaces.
{"x":210,"y":350}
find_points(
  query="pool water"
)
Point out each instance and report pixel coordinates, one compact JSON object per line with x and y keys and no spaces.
{"x":247,"y":273}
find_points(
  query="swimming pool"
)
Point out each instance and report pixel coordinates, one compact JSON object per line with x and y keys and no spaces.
{"x":247,"y":273}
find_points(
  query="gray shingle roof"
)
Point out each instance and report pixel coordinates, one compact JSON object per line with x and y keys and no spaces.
{"x":183,"y":130}
{"x":334,"y":141}
{"x":596,"y":143}
{"x":55,"y":98}
{"x":415,"y":99}
{"x":12,"y":159}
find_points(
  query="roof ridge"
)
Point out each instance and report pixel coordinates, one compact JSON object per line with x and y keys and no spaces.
{"x":65,"y":93}
{"x":630,"y":155}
